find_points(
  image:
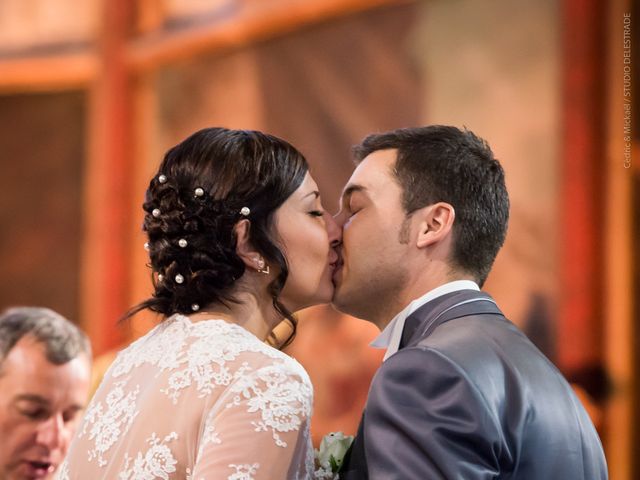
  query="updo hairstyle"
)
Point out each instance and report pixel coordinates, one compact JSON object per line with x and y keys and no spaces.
{"x":193,"y":204}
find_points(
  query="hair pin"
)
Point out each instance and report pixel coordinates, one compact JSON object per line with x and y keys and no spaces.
{"x":245,"y":211}
{"x":182,"y":242}
{"x":179,"y":278}
{"x":155,"y":212}
{"x":199,"y":192}
{"x":162,"y":178}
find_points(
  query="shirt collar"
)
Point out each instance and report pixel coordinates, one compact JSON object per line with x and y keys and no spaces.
{"x":390,"y":337}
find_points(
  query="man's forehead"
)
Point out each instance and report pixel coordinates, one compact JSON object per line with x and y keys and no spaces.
{"x":25,"y":352}
{"x":29,"y":357}
{"x":375,"y":172}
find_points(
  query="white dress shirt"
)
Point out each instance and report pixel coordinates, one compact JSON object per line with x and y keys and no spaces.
{"x":390,"y":337}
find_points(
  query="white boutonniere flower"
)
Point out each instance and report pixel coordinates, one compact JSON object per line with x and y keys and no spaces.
{"x":329,"y":457}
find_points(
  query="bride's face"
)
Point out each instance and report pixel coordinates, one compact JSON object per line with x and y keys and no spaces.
{"x":307,"y":233}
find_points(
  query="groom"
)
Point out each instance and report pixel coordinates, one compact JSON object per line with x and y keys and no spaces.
{"x":462,"y":393}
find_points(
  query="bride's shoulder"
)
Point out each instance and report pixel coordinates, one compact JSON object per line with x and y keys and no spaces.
{"x":178,"y":341}
{"x":232,"y":341}
{"x":287,"y":363}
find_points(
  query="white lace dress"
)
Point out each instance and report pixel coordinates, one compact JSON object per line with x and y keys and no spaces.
{"x":203,"y":400}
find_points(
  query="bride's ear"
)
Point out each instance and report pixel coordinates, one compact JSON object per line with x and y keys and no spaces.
{"x":244,"y":248}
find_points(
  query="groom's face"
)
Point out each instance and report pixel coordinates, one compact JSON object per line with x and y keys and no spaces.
{"x":374,"y":257}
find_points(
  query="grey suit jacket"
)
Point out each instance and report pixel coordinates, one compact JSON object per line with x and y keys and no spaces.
{"x":468,"y":396}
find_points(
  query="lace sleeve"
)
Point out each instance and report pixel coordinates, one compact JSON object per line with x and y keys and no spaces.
{"x":259,"y":430}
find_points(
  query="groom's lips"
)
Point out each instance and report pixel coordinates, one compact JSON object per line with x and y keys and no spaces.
{"x":335,"y":259}
{"x":337,"y":267}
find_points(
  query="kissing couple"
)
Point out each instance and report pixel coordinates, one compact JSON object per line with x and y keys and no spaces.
{"x":238,"y":240}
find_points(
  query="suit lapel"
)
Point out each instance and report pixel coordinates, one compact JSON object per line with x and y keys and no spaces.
{"x":426,"y":319}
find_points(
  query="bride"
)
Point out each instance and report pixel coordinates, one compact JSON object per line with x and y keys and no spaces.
{"x":238,"y":240}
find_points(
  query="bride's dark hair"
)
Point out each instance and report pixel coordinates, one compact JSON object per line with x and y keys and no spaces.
{"x":193,"y":204}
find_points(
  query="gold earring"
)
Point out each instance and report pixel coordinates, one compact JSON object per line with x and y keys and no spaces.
{"x":261,"y":267}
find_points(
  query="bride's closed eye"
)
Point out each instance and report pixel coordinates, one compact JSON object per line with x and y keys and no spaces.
{"x":316,"y":213}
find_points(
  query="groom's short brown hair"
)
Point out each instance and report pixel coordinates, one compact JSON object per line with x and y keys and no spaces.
{"x":441,"y":163}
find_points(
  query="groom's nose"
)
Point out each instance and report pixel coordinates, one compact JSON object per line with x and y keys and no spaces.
{"x":333,"y":230}
{"x":340,"y":218}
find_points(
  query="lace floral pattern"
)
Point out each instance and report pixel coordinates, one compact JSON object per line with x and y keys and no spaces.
{"x":243,"y":472}
{"x":209,"y":435}
{"x":108,"y":424}
{"x":204,"y":363}
{"x":187,"y":395}
{"x":281,"y":401}
{"x":157,"y":462}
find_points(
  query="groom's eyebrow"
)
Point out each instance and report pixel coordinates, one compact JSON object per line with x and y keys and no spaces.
{"x":350,"y":190}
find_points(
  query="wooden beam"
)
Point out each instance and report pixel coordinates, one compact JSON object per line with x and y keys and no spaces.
{"x":146,"y":116}
{"x":580,"y":327}
{"x":105,"y":273}
{"x":247,"y":23}
{"x":47,"y":73}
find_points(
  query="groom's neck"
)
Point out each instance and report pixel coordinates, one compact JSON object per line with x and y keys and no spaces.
{"x":416,"y":286}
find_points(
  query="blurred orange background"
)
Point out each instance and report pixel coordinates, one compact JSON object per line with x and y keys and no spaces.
{"x":92,"y":94}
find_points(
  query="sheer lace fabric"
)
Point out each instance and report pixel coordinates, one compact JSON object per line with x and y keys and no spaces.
{"x":204,"y":400}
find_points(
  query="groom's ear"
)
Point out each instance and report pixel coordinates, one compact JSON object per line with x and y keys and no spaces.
{"x":435,"y":224}
{"x":244,"y":247}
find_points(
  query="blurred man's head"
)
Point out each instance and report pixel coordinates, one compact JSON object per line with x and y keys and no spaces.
{"x":44,"y":383}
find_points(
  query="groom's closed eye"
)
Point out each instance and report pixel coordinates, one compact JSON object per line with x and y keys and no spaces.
{"x":357,"y":201}
{"x":350,"y":202}
{"x":355,"y":204}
